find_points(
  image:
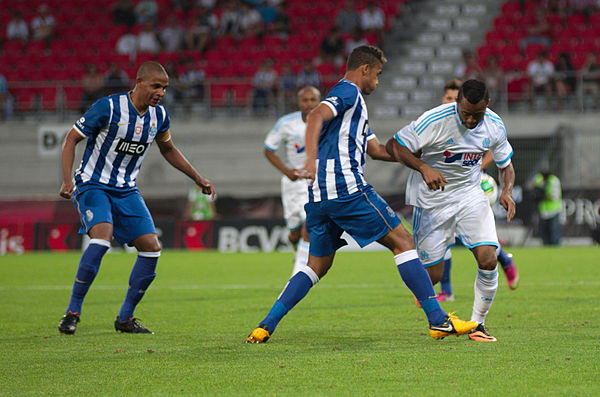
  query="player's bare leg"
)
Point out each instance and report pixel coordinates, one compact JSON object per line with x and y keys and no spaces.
{"x":486,"y":285}
{"x":142,"y":275}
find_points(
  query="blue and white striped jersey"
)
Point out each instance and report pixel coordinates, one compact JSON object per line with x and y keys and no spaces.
{"x":454,"y":150}
{"x":342,"y":145}
{"x":118,"y":138}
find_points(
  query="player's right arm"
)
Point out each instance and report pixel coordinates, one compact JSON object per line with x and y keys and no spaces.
{"x":277,"y":163}
{"x":404,"y":147}
{"x":67,"y":157}
{"x":314,"y":125}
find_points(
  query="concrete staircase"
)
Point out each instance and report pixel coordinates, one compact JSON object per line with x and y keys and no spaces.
{"x":424,"y":48}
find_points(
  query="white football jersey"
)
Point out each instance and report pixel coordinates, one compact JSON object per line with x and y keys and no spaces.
{"x":288,"y":134}
{"x":454,"y":150}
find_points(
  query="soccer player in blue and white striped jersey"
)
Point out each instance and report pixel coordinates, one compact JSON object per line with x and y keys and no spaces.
{"x":337,"y":138}
{"x":119,"y":130}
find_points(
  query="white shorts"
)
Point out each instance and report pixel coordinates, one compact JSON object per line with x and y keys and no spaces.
{"x":294,"y":194}
{"x":434,"y":230}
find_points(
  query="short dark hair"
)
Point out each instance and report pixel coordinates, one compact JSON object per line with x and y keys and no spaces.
{"x":365,"y":55}
{"x":453,"y":84}
{"x":474,"y":91}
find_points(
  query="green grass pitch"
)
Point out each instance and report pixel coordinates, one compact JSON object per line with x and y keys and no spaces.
{"x":357,"y":332}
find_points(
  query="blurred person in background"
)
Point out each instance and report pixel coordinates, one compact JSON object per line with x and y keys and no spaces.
{"x":590,"y":78}
{"x":172,"y":36}
{"x":548,"y":194}
{"x":123,"y":13}
{"x":264,"y":85}
{"x":200,"y":207}
{"x":147,"y":41}
{"x":146,"y":11}
{"x":288,"y":136}
{"x":251,"y":24}
{"x":539,"y":31}
{"x":540,"y":72}
{"x":127,"y":44}
{"x":202,"y":30}
{"x":308,"y":76}
{"x":332,"y":47}
{"x":356,"y":40}
{"x":104,"y":190}
{"x":17,"y":28}
{"x":493,"y":77}
{"x":565,"y":79}
{"x":347,"y":18}
{"x":372,"y":20}
{"x":287,"y":87}
{"x":6,"y":99}
{"x":115,"y":80}
{"x":43,"y":25}
{"x":93,"y":87}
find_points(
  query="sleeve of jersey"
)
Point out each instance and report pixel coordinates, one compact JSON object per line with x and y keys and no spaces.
{"x":370,"y":135}
{"x":273,"y":139}
{"x":163,"y":134}
{"x":340,"y":98}
{"x":94,"y":119}
{"x":502,"y":151}
{"x":408,"y":138}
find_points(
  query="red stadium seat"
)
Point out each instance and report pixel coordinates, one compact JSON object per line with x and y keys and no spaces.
{"x":48,"y":98}
{"x":72,"y":97}
{"x":219,"y":94}
{"x":242,"y":94}
{"x":25,"y":98}
{"x":511,"y":7}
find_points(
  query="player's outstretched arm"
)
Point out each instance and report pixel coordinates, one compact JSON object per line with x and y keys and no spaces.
{"x":433,"y":178}
{"x":178,"y":161}
{"x":67,"y":157}
{"x":274,"y":159}
{"x":377,"y":151}
{"x":506,"y":176}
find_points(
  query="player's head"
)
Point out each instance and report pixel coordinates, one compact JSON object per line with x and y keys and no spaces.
{"x":151,"y":83}
{"x":473,"y":98}
{"x":365,"y":63}
{"x":308,"y":99}
{"x":451,"y":91}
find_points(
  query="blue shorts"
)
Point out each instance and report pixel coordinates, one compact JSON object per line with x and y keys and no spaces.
{"x":123,"y":208}
{"x":364,"y":215}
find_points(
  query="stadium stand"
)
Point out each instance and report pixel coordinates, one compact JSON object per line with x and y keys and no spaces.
{"x":86,"y":33}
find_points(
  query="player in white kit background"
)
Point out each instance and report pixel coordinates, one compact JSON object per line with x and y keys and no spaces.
{"x":287,"y":136}
{"x":445,"y":191}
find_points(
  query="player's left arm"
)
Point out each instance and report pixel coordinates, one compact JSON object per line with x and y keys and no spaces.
{"x":506,"y":176}
{"x":377,"y":151}
{"x":170,"y":152}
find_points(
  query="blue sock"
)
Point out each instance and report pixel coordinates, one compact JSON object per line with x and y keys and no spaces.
{"x":140,"y":279}
{"x":294,"y":291}
{"x":503,"y":257}
{"x":89,"y":264}
{"x":417,"y":280}
{"x":445,"y":280}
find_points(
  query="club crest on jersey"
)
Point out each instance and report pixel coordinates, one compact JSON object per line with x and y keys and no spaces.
{"x":152,"y":129}
{"x":423,"y":255}
{"x":390,"y":211}
{"x":138,"y":130}
{"x":468,"y":159}
{"x":486,"y":143}
{"x":89,"y":215}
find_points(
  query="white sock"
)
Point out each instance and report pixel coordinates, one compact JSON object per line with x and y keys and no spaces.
{"x":486,"y":285}
{"x":301,"y":258}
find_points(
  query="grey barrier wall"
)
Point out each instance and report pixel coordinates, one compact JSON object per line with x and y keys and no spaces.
{"x":230,"y":153}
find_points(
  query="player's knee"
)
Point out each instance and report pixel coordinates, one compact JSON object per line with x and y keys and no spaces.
{"x":488,"y":262}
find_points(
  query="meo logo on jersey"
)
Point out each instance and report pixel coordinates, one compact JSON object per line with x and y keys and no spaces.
{"x":130,"y":147}
{"x":469,"y":159}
